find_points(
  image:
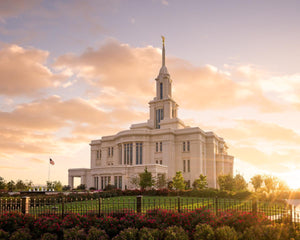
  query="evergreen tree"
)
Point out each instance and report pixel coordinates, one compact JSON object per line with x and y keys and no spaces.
{"x":200,"y":183}
{"x":146,"y":179}
{"x":178,"y":181}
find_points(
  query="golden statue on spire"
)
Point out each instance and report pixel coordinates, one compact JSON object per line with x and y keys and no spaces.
{"x":163,"y":39}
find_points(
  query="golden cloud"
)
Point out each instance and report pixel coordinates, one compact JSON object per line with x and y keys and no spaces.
{"x":131,"y":72}
{"x":23,"y":71}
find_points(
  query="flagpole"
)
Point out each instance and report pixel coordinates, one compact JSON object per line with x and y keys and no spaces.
{"x":49,"y":171}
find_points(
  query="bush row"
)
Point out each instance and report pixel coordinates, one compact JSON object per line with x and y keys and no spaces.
{"x":210,"y":192}
{"x":154,"y":224}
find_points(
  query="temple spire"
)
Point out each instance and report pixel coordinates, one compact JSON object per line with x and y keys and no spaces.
{"x":163,"y":51}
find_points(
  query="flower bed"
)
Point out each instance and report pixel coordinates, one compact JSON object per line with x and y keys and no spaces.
{"x":154,"y":224}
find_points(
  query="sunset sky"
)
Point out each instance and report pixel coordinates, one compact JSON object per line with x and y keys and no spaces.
{"x":72,"y":71}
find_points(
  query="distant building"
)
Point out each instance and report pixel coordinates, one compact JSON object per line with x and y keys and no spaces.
{"x":163,"y":144}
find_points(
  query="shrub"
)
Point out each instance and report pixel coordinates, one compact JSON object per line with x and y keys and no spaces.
{"x":49,"y":236}
{"x":226,"y":233}
{"x":204,"y":232}
{"x":21,"y":234}
{"x":252,"y":233}
{"x":12,"y":221}
{"x":127,"y":234}
{"x":275,"y":232}
{"x":149,"y":234}
{"x":47,"y":224}
{"x":75,"y":220}
{"x":4,"y":235}
{"x":175,"y":233}
{"x":97,"y":234}
{"x":74,"y":234}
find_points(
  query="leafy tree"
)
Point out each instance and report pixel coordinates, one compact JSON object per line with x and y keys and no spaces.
{"x":66,"y":188}
{"x":135,"y":181}
{"x":170,"y":185}
{"x":178,"y":181}
{"x":226,"y":182}
{"x":240,"y":183}
{"x":21,"y":186}
{"x":11,"y":186}
{"x":257,"y":181}
{"x":81,"y":187}
{"x":270,"y":183}
{"x":2,"y":183}
{"x":161,"y":181}
{"x":56,"y":185}
{"x":200,"y":183}
{"x":146,"y":179}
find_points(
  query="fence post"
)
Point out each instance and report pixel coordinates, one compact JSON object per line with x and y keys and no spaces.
{"x":254,"y":206}
{"x":139,"y":204}
{"x":99,"y":203}
{"x":216,"y":206}
{"x":25,"y":205}
{"x":178,"y":204}
{"x":63,"y":207}
{"x":291,"y":213}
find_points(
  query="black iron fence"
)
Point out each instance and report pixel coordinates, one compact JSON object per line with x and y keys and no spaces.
{"x":105,"y":206}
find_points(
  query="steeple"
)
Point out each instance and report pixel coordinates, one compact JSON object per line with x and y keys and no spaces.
{"x":163,"y":69}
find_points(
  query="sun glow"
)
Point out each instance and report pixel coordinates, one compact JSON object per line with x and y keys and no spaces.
{"x":292,"y":179}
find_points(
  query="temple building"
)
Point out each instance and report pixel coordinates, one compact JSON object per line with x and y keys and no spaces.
{"x":163,"y":145}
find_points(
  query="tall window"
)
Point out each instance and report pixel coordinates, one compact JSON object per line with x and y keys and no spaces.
{"x":128,"y":153}
{"x":98,"y":154}
{"x":158,"y":147}
{"x":188,"y":166}
{"x":96,"y":183}
{"x":139,"y":153}
{"x":120,"y":153}
{"x":159,"y":117}
{"x":183,"y":165}
{"x":120,"y":182}
{"x":183,"y":146}
{"x":110,"y":151}
{"x":188,"y":145}
{"x":161,"y":90}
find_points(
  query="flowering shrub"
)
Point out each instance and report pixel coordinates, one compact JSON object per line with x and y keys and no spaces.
{"x":241,"y":220}
{"x":11,"y":221}
{"x":47,"y":224}
{"x":76,"y":220}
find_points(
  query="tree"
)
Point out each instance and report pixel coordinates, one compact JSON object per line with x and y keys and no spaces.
{"x":161,"y":181}
{"x":21,"y":186}
{"x":81,"y":187}
{"x":146,"y":179}
{"x":226,"y":182}
{"x":56,"y":185}
{"x":11,"y":186}
{"x":135,"y":181}
{"x":270,"y":183}
{"x":240,"y":183}
{"x":200,"y":183}
{"x":2,"y":183}
{"x":178,"y":181}
{"x":257,"y":182}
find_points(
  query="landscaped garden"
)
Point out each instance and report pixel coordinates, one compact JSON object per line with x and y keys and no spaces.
{"x":153,"y":224}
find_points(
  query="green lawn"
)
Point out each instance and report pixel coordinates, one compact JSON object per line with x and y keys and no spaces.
{"x":148,"y":202}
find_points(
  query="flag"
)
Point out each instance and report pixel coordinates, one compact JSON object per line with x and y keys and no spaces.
{"x":52,"y":162}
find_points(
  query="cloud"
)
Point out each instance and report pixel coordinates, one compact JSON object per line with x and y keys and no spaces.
{"x":50,"y":124}
{"x":15,"y":7}
{"x":23,"y":71}
{"x":131,"y":71}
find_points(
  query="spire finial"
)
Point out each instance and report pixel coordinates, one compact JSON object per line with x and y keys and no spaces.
{"x":163,"y":51}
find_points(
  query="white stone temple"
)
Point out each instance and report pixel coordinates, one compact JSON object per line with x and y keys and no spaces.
{"x":163,"y":145}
